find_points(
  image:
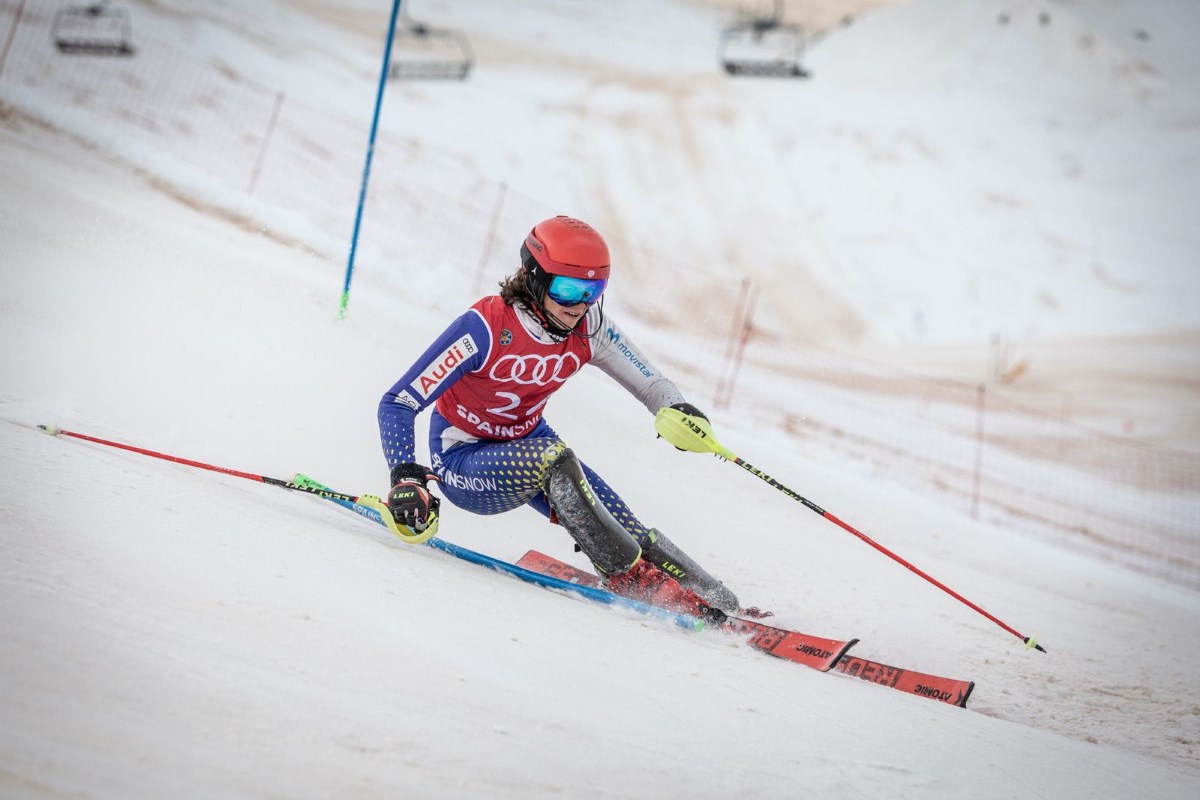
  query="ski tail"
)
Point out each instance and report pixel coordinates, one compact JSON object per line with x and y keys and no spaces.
{"x":946,"y":690}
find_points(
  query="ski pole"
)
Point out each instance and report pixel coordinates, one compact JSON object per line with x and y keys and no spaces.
{"x":370,"y":501}
{"x":695,"y":435}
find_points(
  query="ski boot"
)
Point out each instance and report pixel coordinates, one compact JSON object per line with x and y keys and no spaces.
{"x":613,"y":551}
{"x":666,"y":555}
{"x":646,"y":582}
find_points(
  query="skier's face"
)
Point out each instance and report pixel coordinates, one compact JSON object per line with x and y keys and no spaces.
{"x":567,"y":316}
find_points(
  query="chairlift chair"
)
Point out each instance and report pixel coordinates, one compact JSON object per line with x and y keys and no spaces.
{"x":774,"y":52}
{"x":761,"y":45}
{"x":96,"y":30}
{"x":420,"y":52}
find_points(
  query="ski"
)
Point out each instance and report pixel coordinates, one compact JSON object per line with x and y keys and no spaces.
{"x":816,"y":652}
{"x":795,"y":646}
{"x":812,"y":651}
{"x":946,"y":690}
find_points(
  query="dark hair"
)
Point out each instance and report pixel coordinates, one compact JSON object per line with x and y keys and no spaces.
{"x":514,"y":290}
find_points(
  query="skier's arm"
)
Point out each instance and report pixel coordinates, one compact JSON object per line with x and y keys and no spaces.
{"x":615,"y":353}
{"x":461,"y":348}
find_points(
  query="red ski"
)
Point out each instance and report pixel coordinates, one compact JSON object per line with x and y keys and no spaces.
{"x":947,"y":690}
{"x":812,"y":651}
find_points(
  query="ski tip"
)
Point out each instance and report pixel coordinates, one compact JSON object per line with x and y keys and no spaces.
{"x":50,"y":429}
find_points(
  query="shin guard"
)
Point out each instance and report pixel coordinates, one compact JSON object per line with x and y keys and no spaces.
{"x":602,"y":539}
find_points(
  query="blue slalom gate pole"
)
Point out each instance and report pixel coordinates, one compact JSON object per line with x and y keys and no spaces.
{"x":366,"y":176}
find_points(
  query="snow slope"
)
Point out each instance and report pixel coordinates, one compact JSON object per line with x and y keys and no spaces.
{"x":166,"y":631}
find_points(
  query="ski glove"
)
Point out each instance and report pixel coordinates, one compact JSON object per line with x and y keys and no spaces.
{"x":409,"y":500}
{"x":691,"y":411}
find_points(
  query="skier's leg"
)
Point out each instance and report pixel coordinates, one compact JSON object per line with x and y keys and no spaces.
{"x":666,"y":555}
{"x":612,"y":549}
{"x":661,"y":551}
{"x":486,"y":476}
{"x":602,"y":539}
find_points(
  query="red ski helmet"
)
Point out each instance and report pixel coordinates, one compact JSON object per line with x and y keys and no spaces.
{"x":567,"y":247}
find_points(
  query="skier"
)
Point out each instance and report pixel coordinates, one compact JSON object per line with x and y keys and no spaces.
{"x":489,"y":376}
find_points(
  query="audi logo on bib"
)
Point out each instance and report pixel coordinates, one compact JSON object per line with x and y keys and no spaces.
{"x":534,"y":370}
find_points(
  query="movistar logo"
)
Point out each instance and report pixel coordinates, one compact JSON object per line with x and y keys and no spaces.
{"x":634,"y":358}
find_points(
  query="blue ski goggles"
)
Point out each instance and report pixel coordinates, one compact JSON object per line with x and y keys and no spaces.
{"x":569,"y":291}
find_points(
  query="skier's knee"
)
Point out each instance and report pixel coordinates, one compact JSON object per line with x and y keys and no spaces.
{"x":555,"y":458}
{"x":609,"y":546}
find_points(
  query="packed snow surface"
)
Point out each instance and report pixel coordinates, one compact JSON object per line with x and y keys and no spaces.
{"x":945,"y":176}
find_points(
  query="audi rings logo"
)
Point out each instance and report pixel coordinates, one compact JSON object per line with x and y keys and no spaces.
{"x":535,"y":370}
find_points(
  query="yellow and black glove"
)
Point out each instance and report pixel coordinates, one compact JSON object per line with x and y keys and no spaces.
{"x":686,"y":427}
{"x":409,"y":500}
